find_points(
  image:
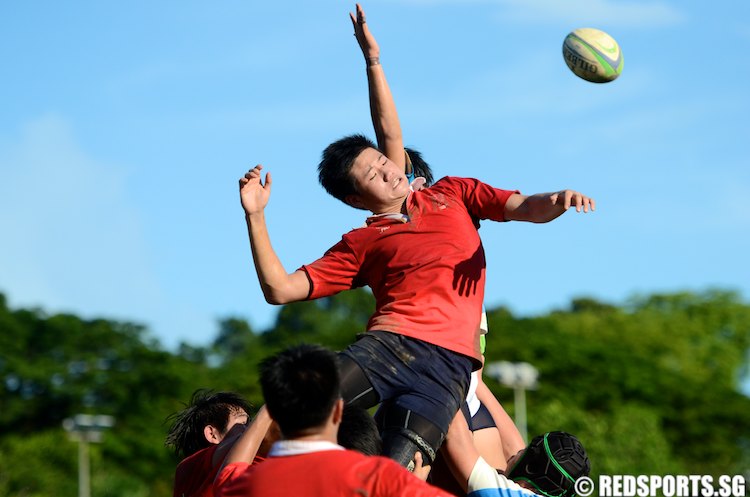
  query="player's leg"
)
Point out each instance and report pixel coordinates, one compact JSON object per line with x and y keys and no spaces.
{"x":404,"y":433}
{"x":426,"y":382}
{"x":418,"y":418}
{"x":356,"y":388}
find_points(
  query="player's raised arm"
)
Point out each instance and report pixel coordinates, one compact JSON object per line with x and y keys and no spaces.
{"x":382,"y":106}
{"x":279,"y":287}
{"x":249,"y":442}
{"x":544,"y":207}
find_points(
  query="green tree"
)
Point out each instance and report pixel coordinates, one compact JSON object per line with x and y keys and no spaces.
{"x":674,"y":359}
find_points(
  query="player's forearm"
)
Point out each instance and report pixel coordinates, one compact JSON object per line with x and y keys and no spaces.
{"x":383,"y":112}
{"x":461,"y":454}
{"x":246,"y":447}
{"x":276,"y":283}
{"x":511,"y":438}
{"x":544,"y":207}
{"x":539,"y":208}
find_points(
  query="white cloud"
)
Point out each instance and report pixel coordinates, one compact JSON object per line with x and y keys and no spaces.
{"x":72,"y":241}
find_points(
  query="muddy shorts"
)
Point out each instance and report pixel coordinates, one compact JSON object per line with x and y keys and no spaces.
{"x":415,"y":375}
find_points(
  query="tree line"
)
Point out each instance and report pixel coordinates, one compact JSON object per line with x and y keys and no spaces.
{"x":651,"y":386}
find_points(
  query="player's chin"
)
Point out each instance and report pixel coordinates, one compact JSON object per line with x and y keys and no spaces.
{"x":401,"y":187}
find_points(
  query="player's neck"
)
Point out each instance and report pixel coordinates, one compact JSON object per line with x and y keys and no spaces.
{"x":393,"y":208}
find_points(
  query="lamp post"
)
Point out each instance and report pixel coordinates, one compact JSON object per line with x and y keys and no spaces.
{"x":520,"y":376}
{"x":85,"y":429}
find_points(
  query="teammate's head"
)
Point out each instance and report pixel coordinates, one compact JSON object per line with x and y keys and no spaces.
{"x":358,"y":431}
{"x":301,"y":387}
{"x":419,"y":166}
{"x":551,"y":464}
{"x":205,"y":420}
{"x":336,"y":163}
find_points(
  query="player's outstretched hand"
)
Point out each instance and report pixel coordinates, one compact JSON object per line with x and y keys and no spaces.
{"x":254,"y":193}
{"x":420,"y":471}
{"x":570,"y":198}
{"x":365,"y":39}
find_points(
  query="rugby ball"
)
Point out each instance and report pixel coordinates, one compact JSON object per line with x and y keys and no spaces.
{"x":593,"y":55}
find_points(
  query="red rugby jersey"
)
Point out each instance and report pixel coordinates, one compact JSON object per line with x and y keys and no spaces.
{"x":427,"y":272}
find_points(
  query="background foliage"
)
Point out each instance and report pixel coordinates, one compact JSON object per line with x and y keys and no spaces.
{"x":650,"y":386}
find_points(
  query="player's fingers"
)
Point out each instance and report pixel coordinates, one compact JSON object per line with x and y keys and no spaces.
{"x":254,"y":172}
{"x":267,"y":186}
{"x":586,"y":203}
{"x":577,"y":201}
{"x":419,"y":462}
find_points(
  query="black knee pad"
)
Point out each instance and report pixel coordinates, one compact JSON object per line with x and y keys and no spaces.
{"x":400,"y":444}
{"x":405,"y":433}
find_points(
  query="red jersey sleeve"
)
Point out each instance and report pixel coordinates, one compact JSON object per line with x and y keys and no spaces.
{"x":482,"y":200}
{"x":230,"y":480}
{"x":335,"y":272}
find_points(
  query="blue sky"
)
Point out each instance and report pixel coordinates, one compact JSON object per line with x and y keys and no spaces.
{"x":125,"y":127}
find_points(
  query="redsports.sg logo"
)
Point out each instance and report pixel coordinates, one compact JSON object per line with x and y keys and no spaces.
{"x":666,"y":486}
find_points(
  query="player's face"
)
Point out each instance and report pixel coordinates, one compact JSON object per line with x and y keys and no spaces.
{"x":381,"y":185}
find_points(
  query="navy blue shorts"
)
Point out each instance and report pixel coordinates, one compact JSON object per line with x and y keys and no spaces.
{"x":415,"y":375}
{"x":481,"y":420}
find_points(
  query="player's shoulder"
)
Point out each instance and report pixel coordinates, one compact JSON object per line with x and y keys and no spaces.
{"x":453,"y":183}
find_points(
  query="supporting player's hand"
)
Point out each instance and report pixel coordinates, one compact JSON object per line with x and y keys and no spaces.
{"x":254,"y":193}
{"x":570,"y":198}
{"x":365,"y":39}
{"x":420,"y":471}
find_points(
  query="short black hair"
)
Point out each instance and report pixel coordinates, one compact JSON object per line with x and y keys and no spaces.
{"x":552,"y":463}
{"x":206,"y":407}
{"x":419,"y":166}
{"x":358,"y":431}
{"x":300,"y":386}
{"x":336,"y":163}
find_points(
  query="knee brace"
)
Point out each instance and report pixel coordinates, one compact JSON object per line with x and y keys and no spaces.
{"x":400,"y":444}
{"x":405,"y":433}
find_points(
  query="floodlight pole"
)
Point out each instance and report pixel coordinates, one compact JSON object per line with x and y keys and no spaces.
{"x":519,"y":398}
{"x":84,"y":469}
{"x":85,"y":429}
{"x":520,"y":377}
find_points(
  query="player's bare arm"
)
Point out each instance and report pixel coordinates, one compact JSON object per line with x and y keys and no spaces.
{"x":544,"y":207}
{"x":279,"y":287}
{"x":382,"y":106}
{"x":510,"y":439}
{"x":248,"y":443}
{"x":461,"y":454}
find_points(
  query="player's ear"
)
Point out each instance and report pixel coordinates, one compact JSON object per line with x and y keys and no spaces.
{"x":338,"y":411}
{"x":213,"y":436}
{"x":355,"y":201}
